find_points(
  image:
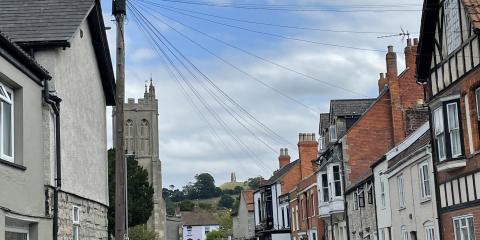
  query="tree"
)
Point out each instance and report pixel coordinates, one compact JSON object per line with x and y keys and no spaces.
{"x":140,"y":193}
{"x":254,"y":183}
{"x":205,"y":185}
{"x":226,"y":223}
{"x":237,"y":190}
{"x":213,"y":235}
{"x":186,"y":205}
{"x":141,"y":232}
{"x":226,"y":201}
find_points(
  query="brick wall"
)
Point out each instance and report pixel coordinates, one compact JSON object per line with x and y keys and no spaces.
{"x":447,"y":221}
{"x":308,"y":152}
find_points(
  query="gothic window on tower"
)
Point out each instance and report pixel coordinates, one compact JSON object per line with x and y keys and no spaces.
{"x":144,"y":137}
{"x":129,"y":136}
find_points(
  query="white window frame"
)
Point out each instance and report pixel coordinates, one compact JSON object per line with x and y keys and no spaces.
{"x":321,"y":143}
{"x":334,"y":188}
{"x":8,"y":100}
{"x":382,"y":193}
{"x":405,"y":234}
{"x":425,"y":190}
{"x":429,"y":231}
{"x":76,"y":221}
{"x":438,"y":116}
{"x":332,"y":130}
{"x":467,"y":226}
{"x":323,"y":187}
{"x":401,"y":191}
{"x":18,"y":230}
{"x":457,"y":128}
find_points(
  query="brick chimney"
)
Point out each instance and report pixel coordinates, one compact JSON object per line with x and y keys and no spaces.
{"x":307,"y":151}
{"x":284,"y":158}
{"x":382,"y":83}
{"x":411,"y":53}
{"x":391,"y":63}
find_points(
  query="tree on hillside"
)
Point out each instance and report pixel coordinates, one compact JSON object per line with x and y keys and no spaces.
{"x":226,"y":201}
{"x":237,"y":190}
{"x":205,"y":185}
{"x":140,"y":193}
{"x":254,"y":183}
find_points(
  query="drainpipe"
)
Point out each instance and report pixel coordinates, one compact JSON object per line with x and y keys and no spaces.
{"x":54,"y":103}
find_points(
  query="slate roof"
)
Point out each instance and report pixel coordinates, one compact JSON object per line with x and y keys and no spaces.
{"x":15,"y":54}
{"x":365,"y":177}
{"x":421,"y":142}
{"x":324,"y":121}
{"x":248,"y":196}
{"x":198,"y":219}
{"x":349,"y":107}
{"x":42,"y":20}
{"x":282,"y":171}
{"x":52,"y":23}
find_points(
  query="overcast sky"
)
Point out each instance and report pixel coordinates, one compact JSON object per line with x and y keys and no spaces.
{"x":190,"y":145}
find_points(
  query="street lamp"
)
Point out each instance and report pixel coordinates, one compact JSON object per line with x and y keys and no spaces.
{"x":127,"y":155}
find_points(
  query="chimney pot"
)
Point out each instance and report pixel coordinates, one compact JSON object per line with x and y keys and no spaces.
{"x":409,"y":42}
{"x":284,"y":158}
{"x":391,"y":60}
{"x":415,"y":41}
{"x":390,"y":49}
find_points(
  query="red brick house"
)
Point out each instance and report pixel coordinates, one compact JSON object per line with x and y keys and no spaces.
{"x":448,"y":63}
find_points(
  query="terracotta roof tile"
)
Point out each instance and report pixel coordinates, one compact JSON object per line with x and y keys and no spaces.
{"x":198,"y":219}
{"x":248,"y":196}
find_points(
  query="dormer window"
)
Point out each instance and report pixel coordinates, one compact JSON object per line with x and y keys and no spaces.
{"x":333,"y":133}
{"x":452,"y":25}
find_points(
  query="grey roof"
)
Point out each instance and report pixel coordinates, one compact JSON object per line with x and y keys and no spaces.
{"x":280,"y":172}
{"x":421,"y":142}
{"x":22,"y":60}
{"x":324,"y":121}
{"x":42,"y":20}
{"x":349,"y":107}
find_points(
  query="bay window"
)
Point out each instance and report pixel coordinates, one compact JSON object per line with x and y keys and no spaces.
{"x":6,"y":123}
{"x":333,"y":133}
{"x":447,"y":131}
{"x":337,"y":182}
{"x":325,"y":195}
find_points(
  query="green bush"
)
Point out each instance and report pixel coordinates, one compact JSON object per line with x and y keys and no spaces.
{"x":141,"y":232}
{"x":214,"y":235}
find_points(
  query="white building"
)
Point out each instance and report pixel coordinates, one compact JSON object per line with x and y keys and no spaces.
{"x":196,"y":225}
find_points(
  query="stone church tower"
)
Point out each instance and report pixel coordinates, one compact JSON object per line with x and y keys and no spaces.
{"x":141,"y":139}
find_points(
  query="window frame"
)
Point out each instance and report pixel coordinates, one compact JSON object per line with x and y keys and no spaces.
{"x":324,"y":188}
{"x":450,"y":34}
{"x":424,"y":181}
{"x":10,"y":101}
{"x":466,"y":218}
{"x":355,"y":201}
{"x":382,"y":193}
{"x":405,"y":233}
{"x":370,"y":194}
{"x":401,"y":191}
{"x":477,"y":103}
{"x":361,"y":197}
{"x":450,"y":129}
{"x":332,"y":130}
{"x":446,"y":131}
{"x":18,"y":230}
{"x":429,"y":229}
{"x":336,"y":181}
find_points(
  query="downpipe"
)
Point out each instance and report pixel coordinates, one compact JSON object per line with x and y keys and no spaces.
{"x":54,"y":103}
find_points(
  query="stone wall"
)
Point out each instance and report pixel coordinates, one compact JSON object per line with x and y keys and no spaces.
{"x":93,"y":217}
{"x":362,"y":221}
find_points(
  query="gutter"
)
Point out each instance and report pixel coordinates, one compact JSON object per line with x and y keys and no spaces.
{"x":54,"y":103}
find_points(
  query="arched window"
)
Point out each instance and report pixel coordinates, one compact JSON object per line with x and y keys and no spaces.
{"x":129,"y":139}
{"x":144,"y":137}
{"x":429,"y":227}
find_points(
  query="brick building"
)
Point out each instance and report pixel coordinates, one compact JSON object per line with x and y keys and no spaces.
{"x":272,"y":209}
{"x":447,"y":62}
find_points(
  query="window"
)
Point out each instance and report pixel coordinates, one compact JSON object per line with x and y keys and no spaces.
{"x":464,"y":228}
{"x":429,"y":231}
{"x":424,"y":181}
{"x":314,"y":236}
{"x":288,"y":214}
{"x":321,"y":143}
{"x":382,"y":192}
{"x":333,"y":133}
{"x":189,"y":231}
{"x":401,"y":191}
{"x":370,"y":194}
{"x":452,"y":25}
{"x":144,"y":137}
{"x":207,"y":230}
{"x":355,"y":201}
{"x":337,"y":181}
{"x":325,"y":196}
{"x":361,"y":198}
{"x":439,"y":133}
{"x":129,"y":140}
{"x":448,"y":135}
{"x":283,"y":217}
{"x":404,"y":233}
{"x":477,"y":99}
{"x":6,"y":123}
{"x":312,"y":200}
{"x":381,"y":234}
{"x":76,"y":222}
{"x":16,"y":234}
{"x":454,"y":129}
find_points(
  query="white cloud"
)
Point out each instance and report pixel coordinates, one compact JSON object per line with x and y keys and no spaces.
{"x":143,"y":55}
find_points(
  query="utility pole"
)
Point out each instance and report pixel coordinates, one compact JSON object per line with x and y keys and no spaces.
{"x":119,"y":11}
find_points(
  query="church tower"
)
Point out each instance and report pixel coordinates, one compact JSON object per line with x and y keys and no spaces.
{"x":141,"y":140}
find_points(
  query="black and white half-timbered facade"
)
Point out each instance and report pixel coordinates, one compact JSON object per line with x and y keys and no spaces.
{"x":448,"y":62}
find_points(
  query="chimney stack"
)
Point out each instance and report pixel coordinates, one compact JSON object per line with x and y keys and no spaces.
{"x":411,"y":53}
{"x":391,"y":64}
{"x":382,"y":83}
{"x":308,"y":152}
{"x":284,"y":158}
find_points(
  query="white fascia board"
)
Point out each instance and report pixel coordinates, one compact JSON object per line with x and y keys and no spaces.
{"x":408,"y":141}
